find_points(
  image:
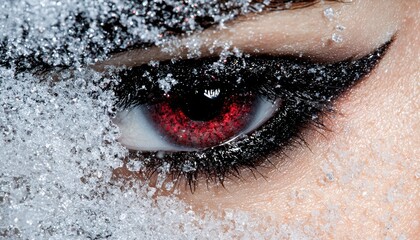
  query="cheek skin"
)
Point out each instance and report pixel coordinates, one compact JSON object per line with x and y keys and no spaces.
{"x":362,"y":177}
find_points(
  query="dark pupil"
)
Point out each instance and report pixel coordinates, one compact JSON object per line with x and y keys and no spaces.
{"x":203,"y":104}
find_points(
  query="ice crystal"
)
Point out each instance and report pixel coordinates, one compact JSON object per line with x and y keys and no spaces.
{"x":337,"y":38}
{"x":329,"y":13}
{"x":166,"y":83}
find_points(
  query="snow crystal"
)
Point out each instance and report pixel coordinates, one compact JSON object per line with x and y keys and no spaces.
{"x":337,"y":38}
{"x":340,"y":27}
{"x":329,"y":13}
{"x":166,"y":83}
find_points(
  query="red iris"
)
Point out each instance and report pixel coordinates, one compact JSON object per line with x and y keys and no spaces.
{"x":203,"y":119}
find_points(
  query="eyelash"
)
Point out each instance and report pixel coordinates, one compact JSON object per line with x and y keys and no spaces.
{"x":306,"y":90}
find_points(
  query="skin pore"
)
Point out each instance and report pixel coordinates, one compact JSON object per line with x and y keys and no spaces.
{"x":365,"y":167}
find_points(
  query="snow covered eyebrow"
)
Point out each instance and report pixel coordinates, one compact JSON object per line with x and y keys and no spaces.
{"x":119,"y":25}
{"x":195,"y":15}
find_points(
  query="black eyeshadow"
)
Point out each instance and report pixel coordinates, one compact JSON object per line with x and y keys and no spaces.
{"x":307,"y":90}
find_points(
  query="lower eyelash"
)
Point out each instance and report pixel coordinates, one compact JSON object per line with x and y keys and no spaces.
{"x":307,"y":90}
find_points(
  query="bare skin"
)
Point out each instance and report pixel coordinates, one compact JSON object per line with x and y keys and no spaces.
{"x":366,"y":168}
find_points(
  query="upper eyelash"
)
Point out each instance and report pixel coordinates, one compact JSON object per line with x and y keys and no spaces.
{"x":307,"y":92}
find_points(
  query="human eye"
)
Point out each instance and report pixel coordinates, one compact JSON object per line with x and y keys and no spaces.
{"x":212,"y":118}
{"x":209,"y":118}
{"x":192,"y":105}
